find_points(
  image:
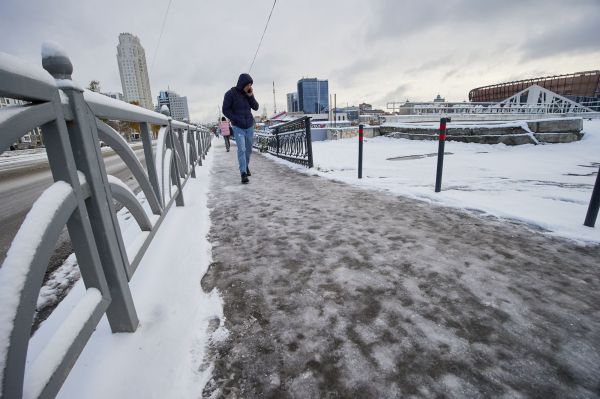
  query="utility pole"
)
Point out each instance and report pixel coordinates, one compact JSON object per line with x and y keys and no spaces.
{"x":274,"y":102}
{"x":335,"y":109}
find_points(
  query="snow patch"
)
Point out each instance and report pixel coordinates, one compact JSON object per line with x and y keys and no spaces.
{"x":14,"y":271}
{"x":53,"y":49}
{"x":19,"y":67}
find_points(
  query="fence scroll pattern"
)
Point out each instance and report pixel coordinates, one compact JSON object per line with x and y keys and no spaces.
{"x":82,"y":199}
{"x":290,"y":141}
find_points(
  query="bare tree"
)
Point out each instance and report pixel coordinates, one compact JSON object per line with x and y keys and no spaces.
{"x":94,"y":86}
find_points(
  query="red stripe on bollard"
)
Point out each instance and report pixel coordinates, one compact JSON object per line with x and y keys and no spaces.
{"x":442,"y":136}
{"x":360,"y":150}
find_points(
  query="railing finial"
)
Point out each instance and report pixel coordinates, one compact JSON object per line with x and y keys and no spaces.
{"x":56,"y":61}
{"x":165,"y":110}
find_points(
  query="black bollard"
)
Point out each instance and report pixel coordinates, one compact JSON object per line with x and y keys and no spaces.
{"x":360,"y":150}
{"x":440,"y":158}
{"x":592,"y":213}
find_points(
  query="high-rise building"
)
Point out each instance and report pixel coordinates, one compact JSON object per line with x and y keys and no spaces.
{"x":115,"y":95}
{"x":292,"y":102}
{"x":134,"y":71}
{"x":178,"y":106}
{"x":313,"y":95}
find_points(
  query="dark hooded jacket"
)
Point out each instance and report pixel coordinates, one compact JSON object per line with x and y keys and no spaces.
{"x":237,"y":104}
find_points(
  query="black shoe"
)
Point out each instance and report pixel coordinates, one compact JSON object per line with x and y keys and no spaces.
{"x":245,"y":178}
{"x":248,"y":172}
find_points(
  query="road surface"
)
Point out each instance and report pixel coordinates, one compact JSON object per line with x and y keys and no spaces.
{"x":24,"y":178}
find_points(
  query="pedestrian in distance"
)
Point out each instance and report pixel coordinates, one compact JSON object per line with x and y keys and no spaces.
{"x":225,"y":128}
{"x":238,"y":104}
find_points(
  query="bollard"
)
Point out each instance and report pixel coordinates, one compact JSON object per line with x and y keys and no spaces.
{"x":360,"y":150}
{"x":592,"y":213}
{"x":440,"y":159}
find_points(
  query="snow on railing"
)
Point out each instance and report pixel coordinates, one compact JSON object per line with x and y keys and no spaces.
{"x":82,"y":198}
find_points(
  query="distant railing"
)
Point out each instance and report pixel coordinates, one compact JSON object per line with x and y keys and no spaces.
{"x":82,"y":198}
{"x":290,"y":141}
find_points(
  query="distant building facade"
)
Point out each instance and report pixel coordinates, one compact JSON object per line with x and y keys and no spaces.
{"x":133,"y":70}
{"x":178,"y":105}
{"x":32,"y":138}
{"x":313,"y":95}
{"x":115,"y":95}
{"x":292,"y":102}
{"x":581,"y":87}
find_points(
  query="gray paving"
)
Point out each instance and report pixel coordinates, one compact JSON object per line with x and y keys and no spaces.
{"x":331,"y":291}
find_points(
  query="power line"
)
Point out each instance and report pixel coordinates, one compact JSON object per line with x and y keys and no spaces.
{"x":162,"y":29}
{"x":263,"y":35}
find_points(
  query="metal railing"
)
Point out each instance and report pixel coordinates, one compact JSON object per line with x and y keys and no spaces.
{"x":290,"y":141}
{"x":82,"y":199}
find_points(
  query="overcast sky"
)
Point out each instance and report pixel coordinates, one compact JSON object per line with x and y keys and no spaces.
{"x":371,"y":51}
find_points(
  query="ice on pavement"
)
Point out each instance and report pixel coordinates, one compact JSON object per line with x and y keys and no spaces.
{"x":545,"y":185}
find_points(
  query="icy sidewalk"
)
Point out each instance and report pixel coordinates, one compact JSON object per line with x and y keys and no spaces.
{"x":164,"y":358}
{"x":335,"y":291}
{"x":545,"y":185}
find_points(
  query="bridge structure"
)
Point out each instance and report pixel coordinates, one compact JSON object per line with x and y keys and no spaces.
{"x":81,"y":198}
{"x":532,"y":102}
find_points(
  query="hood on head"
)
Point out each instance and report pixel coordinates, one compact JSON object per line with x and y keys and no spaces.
{"x":243,"y":80}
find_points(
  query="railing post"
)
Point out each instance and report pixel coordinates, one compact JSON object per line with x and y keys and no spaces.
{"x":308,"y":142}
{"x":360,"y":150}
{"x":150,"y":165}
{"x":83,"y":135}
{"x":592,"y":213}
{"x":440,"y":158}
{"x":277,"y":141}
{"x":191,"y":160}
{"x":174,"y":164}
{"x":199,"y":147}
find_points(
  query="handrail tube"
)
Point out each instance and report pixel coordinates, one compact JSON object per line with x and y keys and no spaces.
{"x":150,"y":161}
{"x":24,"y":81}
{"x":159,"y":157}
{"x":46,"y":230}
{"x":110,"y":108}
{"x":24,"y":119}
{"x":120,"y":146}
{"x":128,"y":200}
{"x":180,"y":156}
{"x":42,"y":381}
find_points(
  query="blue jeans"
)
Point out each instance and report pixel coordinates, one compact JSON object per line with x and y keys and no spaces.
{"x":243,"y":140}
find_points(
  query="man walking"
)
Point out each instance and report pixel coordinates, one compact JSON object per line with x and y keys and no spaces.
{"x":237,"y":105}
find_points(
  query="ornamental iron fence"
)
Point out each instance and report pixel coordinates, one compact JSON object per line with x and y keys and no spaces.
{"x":81,"y":198}
{"x":291,"y":141}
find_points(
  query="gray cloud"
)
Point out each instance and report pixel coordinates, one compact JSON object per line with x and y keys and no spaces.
{"x":578,"y":33}
{"x":398,"y":94}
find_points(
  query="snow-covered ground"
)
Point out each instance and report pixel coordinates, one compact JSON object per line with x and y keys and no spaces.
{"x":546,"y":185}
{"x":165,"y":356}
